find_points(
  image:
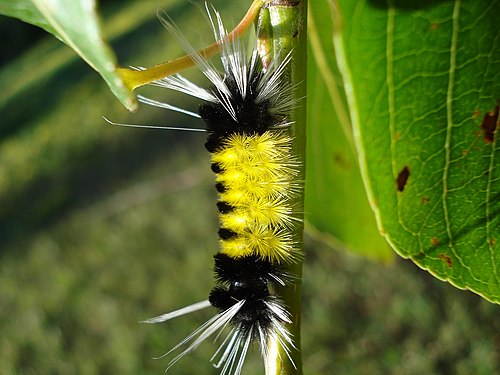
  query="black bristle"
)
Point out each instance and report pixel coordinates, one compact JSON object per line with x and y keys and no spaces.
{"x":220,"y":299}
{"x":229,"y":270}
{"x":226,"y":234}
{"x":251,"y":117}
{"x":255,"y":311}
{"x":213,"y":142}
{"x":216,"y":168}
{"x":224,"y":207}
{"x":221,"y":188}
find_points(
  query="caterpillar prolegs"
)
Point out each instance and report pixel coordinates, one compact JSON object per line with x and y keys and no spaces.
{"x":246,"y":112}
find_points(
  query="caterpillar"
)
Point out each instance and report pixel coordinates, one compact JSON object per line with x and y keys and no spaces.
{"x":246,"y":113}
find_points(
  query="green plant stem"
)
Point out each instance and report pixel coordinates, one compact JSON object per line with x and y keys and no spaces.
{"x":288,"y":25}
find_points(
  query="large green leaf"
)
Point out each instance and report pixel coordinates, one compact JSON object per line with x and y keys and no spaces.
{"x":76,"y":24}
{"x":423,"y":83}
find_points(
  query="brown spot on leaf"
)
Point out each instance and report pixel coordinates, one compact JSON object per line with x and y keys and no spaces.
{"x":435,"y":241}
{"x":424,"y":200}
{"x":435,"y":26}
{"x":465,"y":152}
{"x":340,"y":160}
{"x":403,"y":178}
{"x":492,"y":241}
{"x":489,"y":125}
{"x":476,"y":114}
{"x":446,"y":258}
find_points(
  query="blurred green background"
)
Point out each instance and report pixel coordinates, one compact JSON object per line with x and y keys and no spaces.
{"x":101,"y":227}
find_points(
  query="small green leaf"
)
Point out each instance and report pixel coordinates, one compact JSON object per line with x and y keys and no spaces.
{"x":424,"y":89}
{"x":76,"y":24}
{"x":336,"y":201}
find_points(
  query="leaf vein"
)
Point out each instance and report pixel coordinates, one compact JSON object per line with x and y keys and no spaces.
{"x":449,"y":129}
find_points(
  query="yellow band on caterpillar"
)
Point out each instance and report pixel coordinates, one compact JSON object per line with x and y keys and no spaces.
{"x":256,"y":183}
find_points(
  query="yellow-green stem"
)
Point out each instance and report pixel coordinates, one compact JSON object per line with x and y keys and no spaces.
{"x":137,"y":78}
{"x":288,"y":26}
